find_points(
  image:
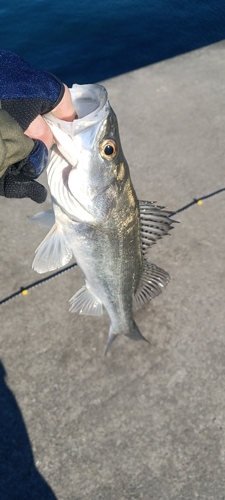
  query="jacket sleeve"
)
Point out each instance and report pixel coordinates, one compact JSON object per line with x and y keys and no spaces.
{"x":27,"y":92}
{"x":14,"y":145}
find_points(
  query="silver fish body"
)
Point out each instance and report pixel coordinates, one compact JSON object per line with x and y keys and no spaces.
{"x":99,"y":221}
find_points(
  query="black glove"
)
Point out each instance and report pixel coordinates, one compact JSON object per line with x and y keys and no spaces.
{"x":18,"y":180}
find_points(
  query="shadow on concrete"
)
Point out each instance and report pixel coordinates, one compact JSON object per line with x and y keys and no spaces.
{"x":19,"y":478}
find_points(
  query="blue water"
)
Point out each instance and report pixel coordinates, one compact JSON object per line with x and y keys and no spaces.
{"x":87,"y":41}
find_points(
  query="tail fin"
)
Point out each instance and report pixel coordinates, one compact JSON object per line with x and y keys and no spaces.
{"x":134,"y":334}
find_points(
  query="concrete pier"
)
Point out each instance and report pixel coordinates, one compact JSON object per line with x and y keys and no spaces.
{"x":148,"y":421}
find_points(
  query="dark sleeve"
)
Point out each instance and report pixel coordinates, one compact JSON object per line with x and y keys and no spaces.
{"x":14,"y":145}
{"x":26,"y":92}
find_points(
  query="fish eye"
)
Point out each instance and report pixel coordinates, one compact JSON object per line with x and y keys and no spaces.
{"x":108,"y":149}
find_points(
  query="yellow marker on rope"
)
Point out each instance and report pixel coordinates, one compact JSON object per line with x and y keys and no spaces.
{"x":199,"y":202}
{"x":24,"y":292}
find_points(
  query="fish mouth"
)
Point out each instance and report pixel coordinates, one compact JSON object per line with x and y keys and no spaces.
{"x":91,"y":105}
{"x":88,"y":100}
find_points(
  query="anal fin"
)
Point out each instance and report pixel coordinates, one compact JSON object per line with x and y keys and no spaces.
{"x":152,"y":281}
{"x":86,"y":303}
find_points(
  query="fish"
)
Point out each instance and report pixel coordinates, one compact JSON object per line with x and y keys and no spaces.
{"x":97,"y":218}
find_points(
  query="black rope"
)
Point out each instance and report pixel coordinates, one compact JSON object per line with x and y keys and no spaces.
{"x":24,"y":290}
{"x":196,"y":201}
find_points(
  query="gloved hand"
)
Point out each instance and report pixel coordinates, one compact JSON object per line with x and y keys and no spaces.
{"x":25,"y":94}
{"x":17,"y":177}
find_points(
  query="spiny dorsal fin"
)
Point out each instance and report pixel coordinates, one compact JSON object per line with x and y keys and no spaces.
{"x":155,"y":223}
{"x":86,"y":303}
{"x":53,"y":252}
{"x":152,"y":281}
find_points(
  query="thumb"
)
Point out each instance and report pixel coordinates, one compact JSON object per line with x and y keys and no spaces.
{"x":39,"y":129}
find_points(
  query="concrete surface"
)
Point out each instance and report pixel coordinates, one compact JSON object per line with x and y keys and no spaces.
{"x":147,"y":422}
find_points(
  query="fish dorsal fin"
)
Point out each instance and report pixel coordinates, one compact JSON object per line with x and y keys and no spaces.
{"x":86,"y":303}
{"x":46,"y":218}
{"x":53,"y":251}
{"x":152,"y":281}
{"x":155,"y":222}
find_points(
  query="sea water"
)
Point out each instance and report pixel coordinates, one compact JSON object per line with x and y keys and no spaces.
{"x":86,"y":41}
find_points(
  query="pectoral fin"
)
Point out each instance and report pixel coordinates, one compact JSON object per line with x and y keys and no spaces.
{"x":86,"y":303}
{"x":46,"y":218}
{"x":152,"y":281}
{"x":53,"y":252}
